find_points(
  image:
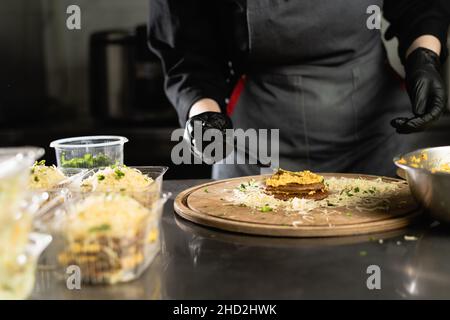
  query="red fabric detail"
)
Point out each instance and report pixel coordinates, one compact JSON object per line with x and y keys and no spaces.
{"x":235,"y":95}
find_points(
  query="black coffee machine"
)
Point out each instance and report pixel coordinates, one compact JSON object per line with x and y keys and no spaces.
{"x":126,"y":79}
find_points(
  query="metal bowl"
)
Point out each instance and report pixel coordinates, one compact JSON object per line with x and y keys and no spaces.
{"x":429,"y":187}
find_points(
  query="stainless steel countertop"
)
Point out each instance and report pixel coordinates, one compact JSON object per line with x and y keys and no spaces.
{"x":201,"y":263}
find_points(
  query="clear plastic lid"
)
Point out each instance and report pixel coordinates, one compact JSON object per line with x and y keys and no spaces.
{"x":88,"y":142}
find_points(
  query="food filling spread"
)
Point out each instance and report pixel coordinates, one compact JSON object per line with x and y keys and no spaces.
{"x":286,"y":185}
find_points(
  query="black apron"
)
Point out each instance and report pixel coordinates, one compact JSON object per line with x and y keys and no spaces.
{"x":332,"y":94}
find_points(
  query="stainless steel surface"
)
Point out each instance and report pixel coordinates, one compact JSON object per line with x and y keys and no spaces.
{"x":203,"y":263}
{"x":430,"y":189}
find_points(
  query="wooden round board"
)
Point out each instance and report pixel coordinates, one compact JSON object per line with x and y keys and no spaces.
{"x":207,"y":205}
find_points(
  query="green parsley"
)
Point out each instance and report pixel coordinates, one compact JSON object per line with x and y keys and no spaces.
{"x":100,"y":228}
{"x":119,"y":173}
{"x":265,"y":208}
{"x":86,"y":161}
{"x":39,"y":163}
{"x":242,"y":187}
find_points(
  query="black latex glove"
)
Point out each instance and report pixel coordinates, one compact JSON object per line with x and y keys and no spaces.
{"x":206,"y":121}
{"x":426,"y":90}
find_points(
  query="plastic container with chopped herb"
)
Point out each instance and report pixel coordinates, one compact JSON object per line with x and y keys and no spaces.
{"x":89,"y":152}
{"x":111,"y":237}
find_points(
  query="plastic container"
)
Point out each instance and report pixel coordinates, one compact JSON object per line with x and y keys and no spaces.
{"x":72,"y":177}
{"x":50,"y":190}
{"x":17,"y":275}
{"x":89,"y":152}
{"x":145,"y":195}
{"x":18,"y":249}
{"x":110,"y":237}
{"x":14,"y":172}
{"x":14,"y":161}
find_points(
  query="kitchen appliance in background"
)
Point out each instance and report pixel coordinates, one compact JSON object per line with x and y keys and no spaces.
{"x":126,"y":79}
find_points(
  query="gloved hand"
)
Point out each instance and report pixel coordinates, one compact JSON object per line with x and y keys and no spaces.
{"x":206,"y":121}
{"x":425,"y":87}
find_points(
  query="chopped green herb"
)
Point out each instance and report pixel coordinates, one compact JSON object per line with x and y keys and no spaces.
{"x":266,"y":208}
{"x":39,"y":163}
{"x":206,"y":190}
{"x":100,"y":228}
{"x":86,"y":161}
{"x":252,"y":183}
{"x":242,"y":187}
{"x":119,"y":173}
{"x":356,"y":189}
{"x":100,"y":177}
{"x":36,"y":178}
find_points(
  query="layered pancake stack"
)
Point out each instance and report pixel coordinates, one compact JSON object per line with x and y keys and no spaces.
{"x":285,"y":185}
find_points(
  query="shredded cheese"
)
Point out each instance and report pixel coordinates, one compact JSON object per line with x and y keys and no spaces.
{"x":45,"y":177}
{"x":362,"y":194}
{"x":113,"y":215}
{"x":117,"y":178}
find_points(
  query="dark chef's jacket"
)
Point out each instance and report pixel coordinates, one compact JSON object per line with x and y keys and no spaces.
{"x":204,"y":44}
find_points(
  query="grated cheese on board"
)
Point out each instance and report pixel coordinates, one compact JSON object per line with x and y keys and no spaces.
{"x":358,"y":193}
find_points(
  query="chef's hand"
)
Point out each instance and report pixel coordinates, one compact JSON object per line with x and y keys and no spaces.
{"x":206,"y":115}
{"x":425,"y":87}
